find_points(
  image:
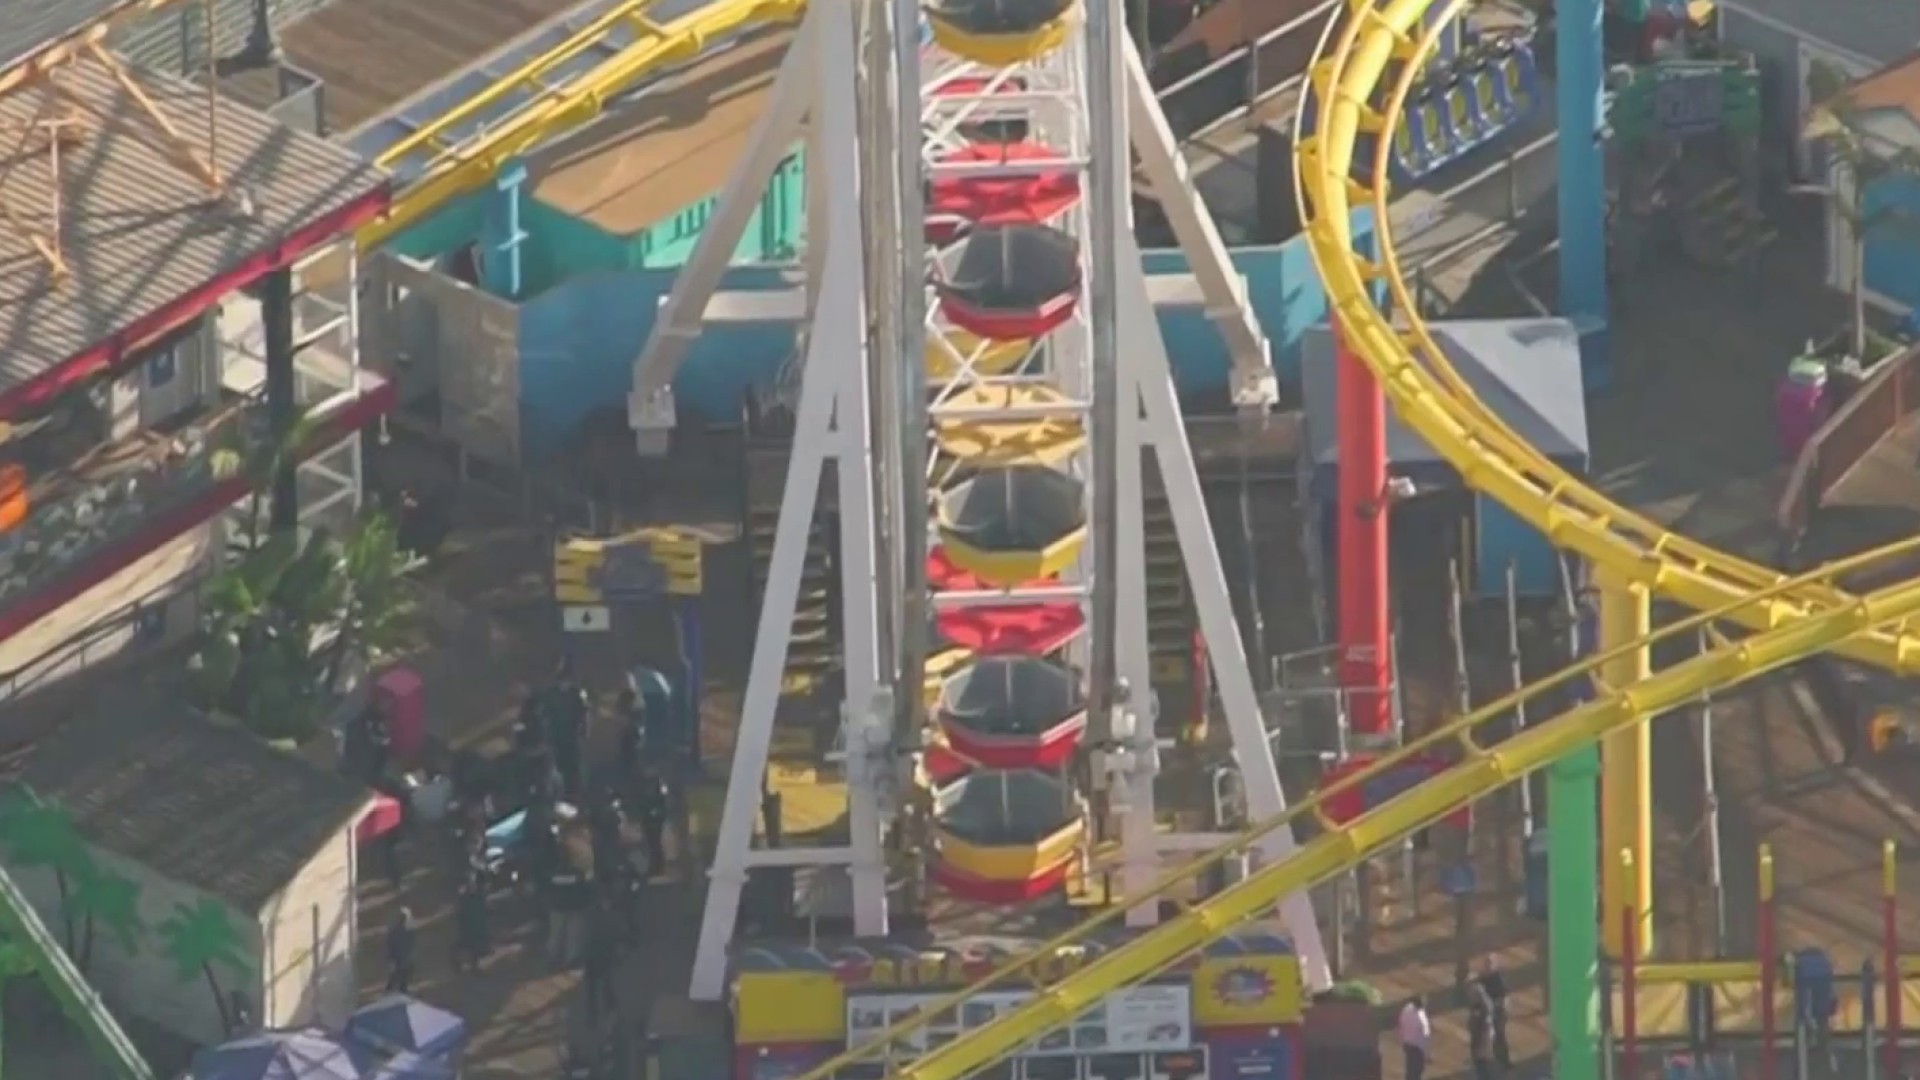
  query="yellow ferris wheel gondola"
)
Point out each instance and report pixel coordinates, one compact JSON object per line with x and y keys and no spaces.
{"x":989,"y":442}
{"x":1001,"y":33}
{"x":978,"y":355}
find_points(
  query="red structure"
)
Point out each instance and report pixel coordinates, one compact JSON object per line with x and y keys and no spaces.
{"x":1364,"y":625}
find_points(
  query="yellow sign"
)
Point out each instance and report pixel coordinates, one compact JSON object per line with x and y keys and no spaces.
{"x":788,"y":1007}
{"x":664,"y":559}
{"x":1246,"y":991}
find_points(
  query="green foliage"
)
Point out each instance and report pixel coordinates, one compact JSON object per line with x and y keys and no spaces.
{"x":257,"y":658}
{"x":201,"y":941}
{"x":199,"y":938}
{"x":41,"y":835}
{"x":106,"y":899}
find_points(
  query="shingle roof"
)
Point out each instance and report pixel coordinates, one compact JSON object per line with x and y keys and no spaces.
{"x":198,"y":802}
{"x":138,"y":232}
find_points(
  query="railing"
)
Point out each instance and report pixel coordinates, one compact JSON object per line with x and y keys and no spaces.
{"x":76,"y":653}
{"x":1888,"y":396}
{"x":1251,"y":74}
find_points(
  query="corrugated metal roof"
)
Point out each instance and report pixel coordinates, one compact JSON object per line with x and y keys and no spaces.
{"x":138,"y":231}
{"x":27,"y":25}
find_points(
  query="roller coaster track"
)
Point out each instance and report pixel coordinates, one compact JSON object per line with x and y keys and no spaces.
{"x":548,"y":107}
{"x":1792,"y":617}
{"x":1478,"y":772}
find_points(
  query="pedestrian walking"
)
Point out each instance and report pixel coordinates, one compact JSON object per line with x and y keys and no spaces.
{"x":1416,"y":1032}
{"x":1480,"y":1031}
{"x":1495,"y":985}
{"x":473,"y":942}
{"x":651,"y":804}
{"x":400,"y":953}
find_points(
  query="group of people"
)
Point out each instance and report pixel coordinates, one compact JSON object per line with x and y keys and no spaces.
{"x":590,"y":909}
{"x":1486,"y":1028}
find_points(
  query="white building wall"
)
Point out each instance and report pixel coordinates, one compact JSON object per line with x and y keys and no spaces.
{"x":145,"y":983}
{"x":310,"y":936}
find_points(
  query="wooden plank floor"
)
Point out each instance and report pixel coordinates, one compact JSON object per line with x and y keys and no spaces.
{"x":376,"y":54}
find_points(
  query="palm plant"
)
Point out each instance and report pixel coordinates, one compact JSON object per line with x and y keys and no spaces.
{"x":108,"y":899}
{"x":257,"y":657}
{"x":200,"y":940}
{"x":41,"y":835}
{"x":1862,"y":164}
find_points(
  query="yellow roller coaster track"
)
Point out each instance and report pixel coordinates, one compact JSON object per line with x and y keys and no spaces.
{"x":552,"y":110}
{"x":1794,"y":617}
{"x":1479,"y":772}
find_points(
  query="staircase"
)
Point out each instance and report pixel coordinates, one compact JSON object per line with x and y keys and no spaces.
{"x":814,"y":644}
{"x":1169,"y":607}
{"x":77,"y":998}
{"x":1720,"y":227}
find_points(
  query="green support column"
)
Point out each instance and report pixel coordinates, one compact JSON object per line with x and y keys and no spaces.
{"x":1573,"y":926}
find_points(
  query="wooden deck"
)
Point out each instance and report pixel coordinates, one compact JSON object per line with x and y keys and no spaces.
{"x":376,"y":54}
{"x":666,"y":149}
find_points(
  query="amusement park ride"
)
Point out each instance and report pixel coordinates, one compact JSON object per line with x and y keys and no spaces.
{"x":1015,"y":437}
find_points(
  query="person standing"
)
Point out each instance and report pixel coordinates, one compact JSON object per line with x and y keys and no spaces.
{"x":1480,"y":1031}
{"x":1416,"y":1032}
{"x":1495,"y":985}
{"x":400,"y":953}
{"x":651,"y":806}
{"x":472,"y":941}
{"x":567,"y":732}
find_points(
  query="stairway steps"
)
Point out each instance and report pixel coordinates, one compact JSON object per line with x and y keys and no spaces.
{"x":813,"y":639}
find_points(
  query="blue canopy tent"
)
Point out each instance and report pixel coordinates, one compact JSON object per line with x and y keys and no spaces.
{"x":399,"y":1024}
{"x":1527,"y":371}
{"x":306,"y":1054}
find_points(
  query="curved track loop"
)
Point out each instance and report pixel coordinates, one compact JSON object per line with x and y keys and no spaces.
{"x":1478,"y":771}
{"x":1359,"y":93}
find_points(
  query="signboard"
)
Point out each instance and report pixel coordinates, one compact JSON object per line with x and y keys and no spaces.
{"x":1133,"y":1020}
{"x":1689,"y":103}
{"x":640,"y":565}
{"x":586,"y":619}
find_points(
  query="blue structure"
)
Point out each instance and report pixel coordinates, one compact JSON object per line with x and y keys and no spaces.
{"x":578,"y":340}
{"x":1582,"y":187}
{"x":502,"y":237}
{"x":1528,"y":373}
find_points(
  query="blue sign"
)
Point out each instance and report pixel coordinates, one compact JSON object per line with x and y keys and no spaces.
{"x":1460,"y":879}
{"x":629,"y":572}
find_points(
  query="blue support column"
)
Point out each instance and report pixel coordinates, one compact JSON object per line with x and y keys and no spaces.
{"x":687,"y":619}
{"x":502,"y":237}
{"x":1583,"y":185}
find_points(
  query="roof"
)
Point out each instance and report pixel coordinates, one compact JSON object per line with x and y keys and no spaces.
{"x":1892,"y":93}
{"x":666,"y":149}
{"x":139,"y":232}
{"x":201,"y":803}
{"x":315,"y":49}
{"x":30,"y":25}
{"x":1878,"y":30}
{"x":374,"y":54}
{"x":1526,"y":370}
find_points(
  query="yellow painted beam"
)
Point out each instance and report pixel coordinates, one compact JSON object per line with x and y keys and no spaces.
{"x":471,"y":165}
{"x":1341,"y":847}
{"x":1626,"y":775}
{"x":1332,"y":853}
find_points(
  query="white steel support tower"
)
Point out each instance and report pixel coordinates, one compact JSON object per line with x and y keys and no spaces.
{"x":877,"y":110}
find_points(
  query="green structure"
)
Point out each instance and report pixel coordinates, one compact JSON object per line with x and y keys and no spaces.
{"x":1573,"y":922}
{"x":40,"y":834}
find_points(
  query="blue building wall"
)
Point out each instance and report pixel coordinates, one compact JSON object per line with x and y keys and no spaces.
{"x":1893,"y":251}
{"x":578,"y":340}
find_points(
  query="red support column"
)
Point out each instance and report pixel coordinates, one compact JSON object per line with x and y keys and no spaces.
{"x":1890,"y":945}
{"x":1365,"y":627}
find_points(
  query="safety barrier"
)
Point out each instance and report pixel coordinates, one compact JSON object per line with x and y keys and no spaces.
{"x":1798,"y":1002}
{"x":1870,"y":414}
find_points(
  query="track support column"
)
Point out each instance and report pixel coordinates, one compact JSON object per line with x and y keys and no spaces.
{"x":1582,"y":188}
{"x":1573,"y":939}
{"x":1362,"y":563}
{"x":1626,"y":801}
